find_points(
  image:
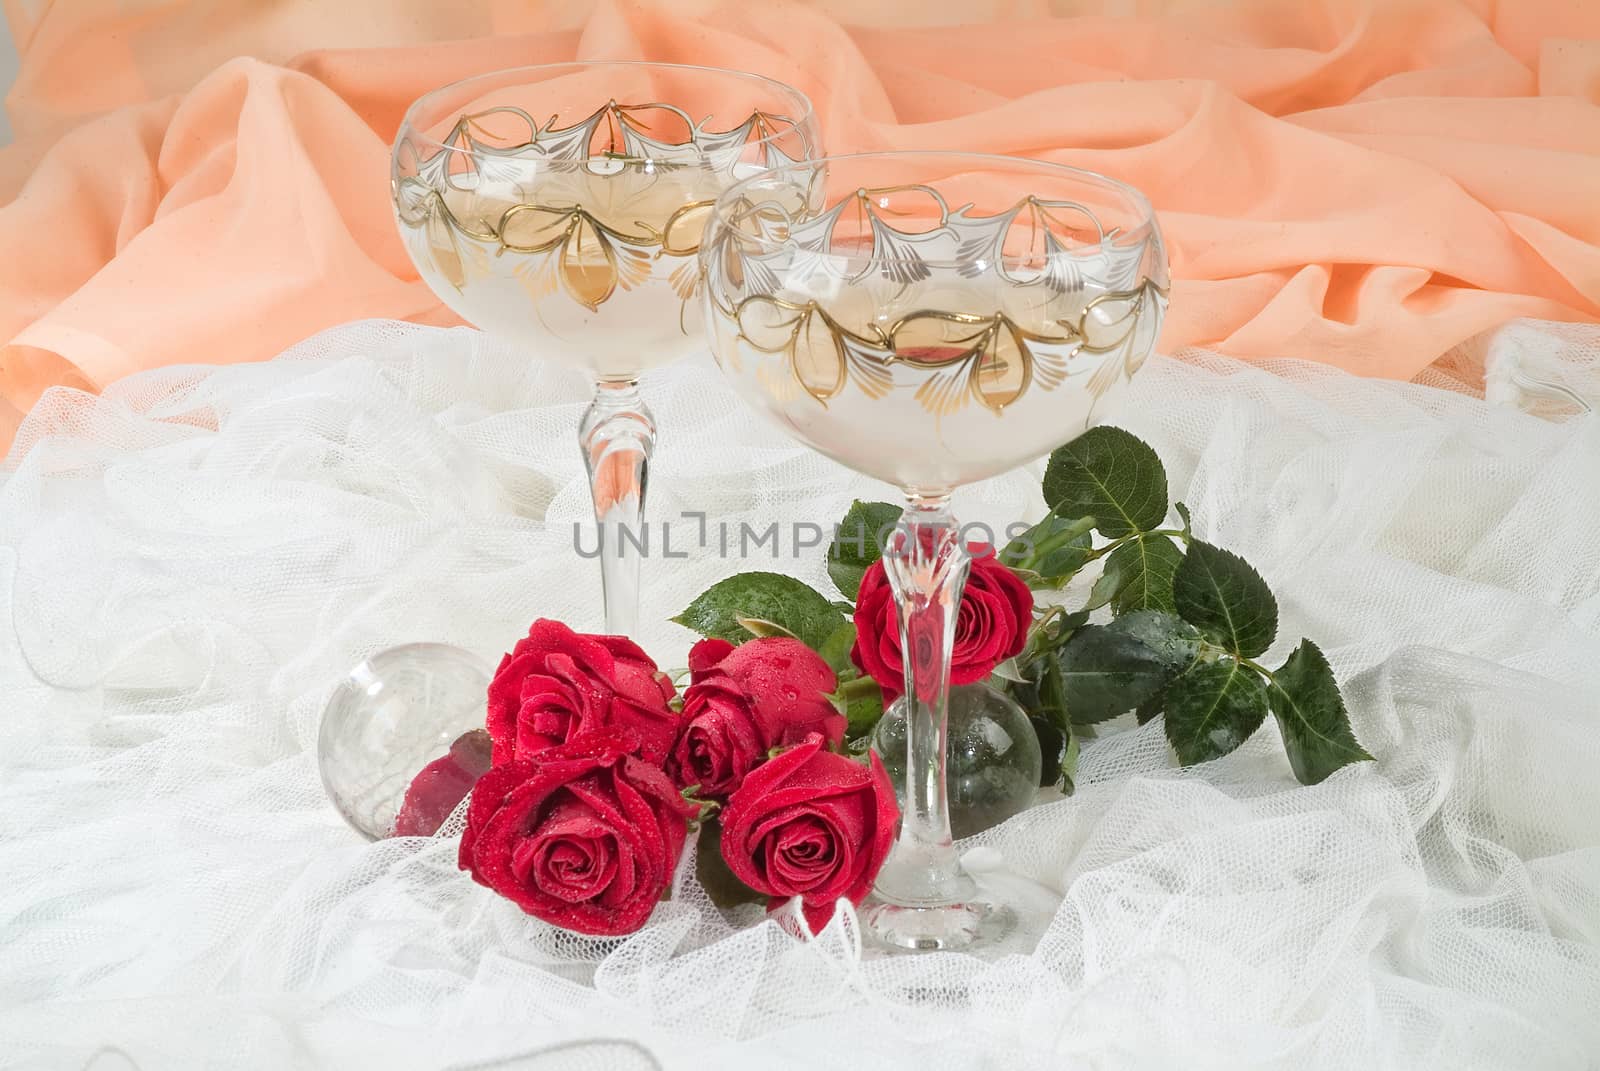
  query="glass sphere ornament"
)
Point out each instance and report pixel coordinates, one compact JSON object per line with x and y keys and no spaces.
{"x":402,"y":738}
{"x":992,"y":753}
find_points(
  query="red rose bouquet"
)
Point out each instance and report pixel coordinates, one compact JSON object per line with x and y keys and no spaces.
{"x":598,"y":770}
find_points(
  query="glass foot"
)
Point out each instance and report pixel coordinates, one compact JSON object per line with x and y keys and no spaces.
{"x":972,"y":926}
{"x":995,"y":913}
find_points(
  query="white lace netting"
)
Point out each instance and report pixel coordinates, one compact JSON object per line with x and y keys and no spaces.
{"x":188,"y":564}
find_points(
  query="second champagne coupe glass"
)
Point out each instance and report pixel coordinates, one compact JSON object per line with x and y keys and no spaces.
{"x":562,"y":206}
{"x":932,"y":319}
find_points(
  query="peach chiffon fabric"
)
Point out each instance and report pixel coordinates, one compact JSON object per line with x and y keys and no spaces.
{"x":1359,"y":182}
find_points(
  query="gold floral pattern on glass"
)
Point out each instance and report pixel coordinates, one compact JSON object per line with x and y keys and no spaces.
{"x":589,"y":207}
{"x":991,"y":360}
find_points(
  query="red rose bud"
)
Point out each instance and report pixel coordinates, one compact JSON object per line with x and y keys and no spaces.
{"x":558,"y":684}
{"x":442,"y":784}
{"x":813,"y":824}
{"x":991,"y":624}
{"x":744,"y":701}
{"x":583,"y":835}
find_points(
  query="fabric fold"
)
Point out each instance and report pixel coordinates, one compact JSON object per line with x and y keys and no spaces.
{"x":1365,"y":183}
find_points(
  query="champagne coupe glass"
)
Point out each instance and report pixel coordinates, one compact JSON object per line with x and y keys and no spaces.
{"x":561,"y":206}
{"x":932,"y":319}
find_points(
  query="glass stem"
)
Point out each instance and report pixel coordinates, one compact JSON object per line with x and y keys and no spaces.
{"x":617,"y":435}
{"x":927,"y":570}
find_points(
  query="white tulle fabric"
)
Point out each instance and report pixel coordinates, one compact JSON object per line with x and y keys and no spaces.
{"x":188,"y":564}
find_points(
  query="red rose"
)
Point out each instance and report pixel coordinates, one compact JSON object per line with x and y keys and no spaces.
{"x":744,"y":701}
{"x":991,"y":625}
{"x":583,"y":835}
{"x":558,"y":684}
{"x":813,"y":824}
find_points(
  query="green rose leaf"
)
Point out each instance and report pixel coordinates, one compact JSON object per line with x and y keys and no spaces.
{"x":1007,"y":672}
{"x":835,"y":650}
{"x":1069,"y":765}
{"x":1105,"y":587}
{"x":1064,"y":626}
{"x":1110,"y":475}
{"x":1139,"y":575}
{"x":1219,"y":593}
{"x":1047,"y":633}
{"x":861,"y":701}
{"x":1052,"y":744}
{"x":770,"y":601}
{"x":1041,"y":692}
{"x":724,"y":889}
{"x":862,"y":715}
{"x":1105,"y":673}
{"x":1214,"y":708}
{"x":1174,"y":640}
{"x":856,"y":543}
{"x":1052,"y":551}
{"x":1310,"y":711}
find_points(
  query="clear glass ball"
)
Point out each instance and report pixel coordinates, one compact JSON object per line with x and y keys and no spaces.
{"x":398,"y":712}
{"x":992,"y":756}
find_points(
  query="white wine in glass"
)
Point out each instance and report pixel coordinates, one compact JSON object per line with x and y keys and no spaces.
{"x":562,"y":206}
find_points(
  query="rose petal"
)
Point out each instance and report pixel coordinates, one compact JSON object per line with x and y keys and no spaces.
{"x":818,"y":912}
{"x":574,"y":869}
{"x":504,"y":701}
{"x":787,"y":684}
{"x":655,"y":724}
{"x":588,"y":651}
{"x":808,"y":853}
{"x":705,"y":655}
{"x":432,"y":795}
{"x":487,"y":796}
{"x":623,"y":649}
{"x":572,"y":827}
